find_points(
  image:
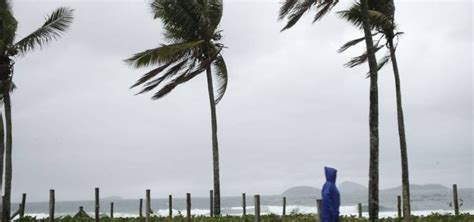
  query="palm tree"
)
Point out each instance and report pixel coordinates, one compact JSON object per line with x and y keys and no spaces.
{"x":191,"y":30}
{"x":2,"y":153}
{"x":56,"y":24}
{"x":294,"y":10}
{"x":382,"y":20}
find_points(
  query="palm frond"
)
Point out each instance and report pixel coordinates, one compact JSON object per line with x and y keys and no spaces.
{"x":350,"y":44}
{"x":177,"y":81}
{"x":214,"y":14}
{"x":149,"y":75}
{"x":323,"y":8}
{"x":383,"y":61}
{"x":55,"y":25}
{"x":297,"y":11}
{"x":294,"y":10}
{"x":179,"y":17}
{"x":164,"y":54}
{"x":220,"y":71}
{"x":185,"y":65}
{"x":352,"y":15}
{"x":186,"y":76}
{"x":285,"y":9}
{"x":358,"y":60}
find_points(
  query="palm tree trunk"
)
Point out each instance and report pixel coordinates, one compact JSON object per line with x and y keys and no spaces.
{"x":2,"y":157}
{"x":373,"y":119}
{"x":215,"y":146}
{"x":8,"y":158}
{"x":401,"y":133}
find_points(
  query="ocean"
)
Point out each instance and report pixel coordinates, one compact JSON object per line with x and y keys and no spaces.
{"x":423,"y":203}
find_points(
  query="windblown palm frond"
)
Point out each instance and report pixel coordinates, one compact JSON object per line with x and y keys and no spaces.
{"x":55,"y":25}
{"x":180,"y":18}
{"x":383,"y":61}
{"x":220,"y":71}
{"x":295,"y":9}
{"x":350,"y":44}
{"x":358,"y":60}
{"x":178,"y":67}
{"x":192,"y":72}
{"x":165,"y":54}
{"x":214,"y":14}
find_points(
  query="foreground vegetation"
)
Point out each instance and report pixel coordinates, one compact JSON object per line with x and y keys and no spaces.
{"x":264,"y":218}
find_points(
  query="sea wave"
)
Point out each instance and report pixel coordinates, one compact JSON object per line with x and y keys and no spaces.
{"x":266,"y":209}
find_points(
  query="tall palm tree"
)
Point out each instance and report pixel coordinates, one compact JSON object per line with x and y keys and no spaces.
{"x":294,"y":10}
{"x":56,"y":24}
{"x":192,"y":35}
{"x":382,"y":20}
{"x":2,"y":153}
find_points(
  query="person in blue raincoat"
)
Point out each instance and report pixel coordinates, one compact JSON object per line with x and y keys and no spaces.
{"x":330,"y":197}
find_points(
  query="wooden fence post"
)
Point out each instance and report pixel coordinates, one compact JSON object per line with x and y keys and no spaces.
{"x":284,"y":207}
{"x":188,"y":207}
{"x":399,"y":207}
{"x":257,"y":208}
{"x":140,"y":208}
{"x":97,"y":205}
{"x":318,"y":207}
{"x":359,"y":209}
{"x":147,"y":206}
{"x":244,"y":205}
{"x":170,"y":205}
{"x":455,"y":200}
{"x":23,"y":204}
{"x":211,"y":203}
{"x":51,"y":205}
{"x":112,"y":210}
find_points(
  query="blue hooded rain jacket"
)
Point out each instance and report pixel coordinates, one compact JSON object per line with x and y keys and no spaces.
{"x":330,"y":195}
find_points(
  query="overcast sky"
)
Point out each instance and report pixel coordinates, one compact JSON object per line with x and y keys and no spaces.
{"x":291,"y":108}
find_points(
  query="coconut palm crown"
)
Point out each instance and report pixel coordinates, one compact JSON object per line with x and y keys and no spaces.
{"x":54,"y":26}
{"x":381,"y":15}
{"x":192,"y":35}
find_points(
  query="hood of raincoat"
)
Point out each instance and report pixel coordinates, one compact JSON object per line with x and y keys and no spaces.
{"x":330,"y":174}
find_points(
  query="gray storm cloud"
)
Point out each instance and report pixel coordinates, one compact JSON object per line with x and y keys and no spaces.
{"x":290,"y":109}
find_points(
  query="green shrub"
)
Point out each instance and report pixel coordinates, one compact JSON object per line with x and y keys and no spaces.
{"x":264,"y":218}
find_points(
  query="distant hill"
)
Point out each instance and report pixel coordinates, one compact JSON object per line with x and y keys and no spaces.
{"x":351,"y":187}
{"x":421,"y":188}
{"x":302,"y":191}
